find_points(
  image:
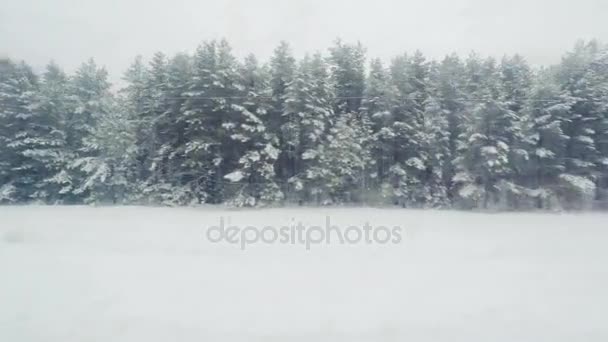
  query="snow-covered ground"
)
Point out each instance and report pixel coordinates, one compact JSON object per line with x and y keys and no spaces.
{"x":148,"y":274}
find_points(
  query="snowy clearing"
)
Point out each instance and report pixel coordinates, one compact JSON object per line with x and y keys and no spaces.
{"x":148,"y":274}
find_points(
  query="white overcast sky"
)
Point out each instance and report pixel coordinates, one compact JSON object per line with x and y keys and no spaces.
{"x":115,"y":31}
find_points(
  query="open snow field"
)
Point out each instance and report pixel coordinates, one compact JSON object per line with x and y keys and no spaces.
{"x":148,"y":274}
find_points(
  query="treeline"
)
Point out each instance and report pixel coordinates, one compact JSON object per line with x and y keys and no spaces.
{"x":326,"y":129}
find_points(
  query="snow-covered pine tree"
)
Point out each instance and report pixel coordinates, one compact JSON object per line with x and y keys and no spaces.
{"x":436,"y":142}
{"x":587,"y":114}
{"x":19,"y":172}
{"x":199,"y":171}
{"x":227,"y":88}
{"x":376,"y":107}
{"x":134,"y":93}
{"x":341,"y":162}
{"x":548,"y":109}
{"x":168,"y":186}
{"x":210,"y":119}
{"x":51,"y":151}
{"x":450,"y":93}
{"x":348,"y":74}
{"x":516,"y":81}
{"x":90,"y":94}
{"x":108,"y":154}
{"x":484,"y":172}
{"x":297,"y":97}
{"x":515,"y":84}
{"x":465,"y":189}
{"x":598,"y":75}
{"x":282,"y":72}
{"x":152,"y":82}
{"x":35,"y":138}
{"x":254,"y":177}
{"x":309,"y":102}
{"x":409,"y":173}
{"x":7,"y":189}
{"x":134,"y":98}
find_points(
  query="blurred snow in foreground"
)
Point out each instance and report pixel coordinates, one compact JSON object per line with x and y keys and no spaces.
{"x":148,"y":274}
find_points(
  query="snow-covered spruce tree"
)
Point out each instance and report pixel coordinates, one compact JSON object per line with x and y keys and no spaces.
{"x":210,"y":117}
{"x":341,"y":162}
{"x":297,"y":97}
{"x":436,"y":142}
{"x":548,"y":109}
{"x":348,"y":74}
{"x":19,"y":173}
{"x":254,"y":178}
{"x":48,"y":145}
{"x":309,"y":104}
{"x":291,"y":129}
{"x":228,"y":88}
{"x":282,"y":72}
{"x":99,"y":135}
{"x":135,"y":99}
{"x":376,"y":107}
{"x":598,"y":75}
{"x":515,"y":85}
{"x":107,"y":157}
{"x":200,"y":168}
{"x":584,"y":161}
{"x":135,"y":91}
{"x":465,"y":190}
{"x":36,"y":137}
{"x":347,"y":70}
{"x":451,"y":97}
{"x":7,"y":109}
{"x":152,"y":82}
{"x":168,"y":187}
{"x":409,"y":173}
{"x":484,"y":170}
